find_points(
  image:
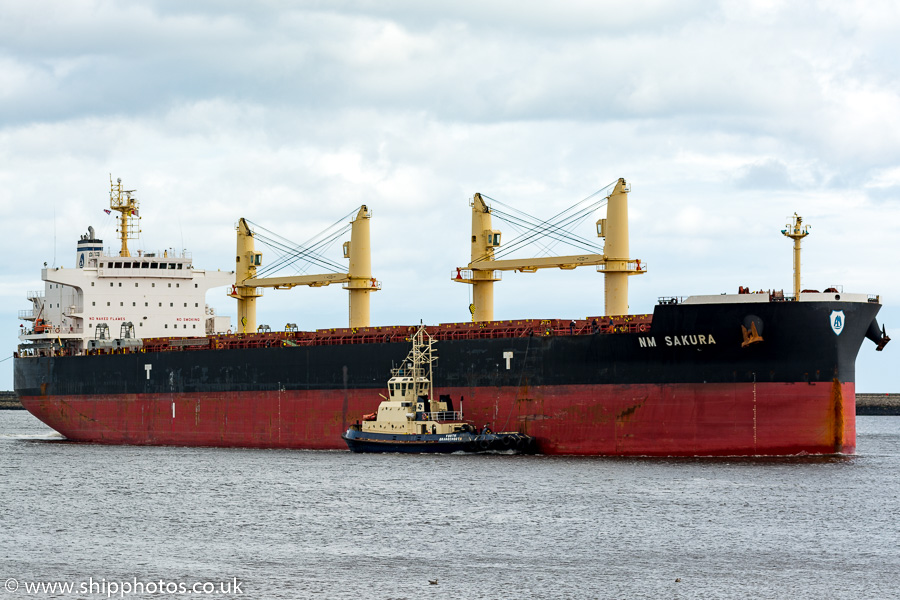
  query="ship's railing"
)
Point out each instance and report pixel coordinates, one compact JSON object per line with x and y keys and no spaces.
{"x":166,"y":253}
{"x":27,"y":315}
{"x":631,"y":266}
{"x":468,"y":276}
{"x":35,"y":295}
{"x":443,"y":415}
{"x":670,"y":300}
{"x":53,"y":331}
{"x":403,"y":334}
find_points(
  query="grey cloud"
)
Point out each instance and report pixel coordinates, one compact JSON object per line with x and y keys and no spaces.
{"x":465,"y":68}
{"x":765,"y":175}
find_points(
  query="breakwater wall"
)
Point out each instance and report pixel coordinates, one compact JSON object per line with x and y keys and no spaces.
{"x":878,"y":404}
{"x":9,"y":401}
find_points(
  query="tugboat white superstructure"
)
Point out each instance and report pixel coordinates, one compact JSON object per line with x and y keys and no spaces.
{"x":112,"y":301}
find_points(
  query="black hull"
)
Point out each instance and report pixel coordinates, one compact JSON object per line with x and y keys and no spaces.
{"x":798,"y":346}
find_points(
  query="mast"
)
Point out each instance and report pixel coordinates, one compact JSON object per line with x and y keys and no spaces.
{"x":247,"y":259}
{"x":122,"y":201}
{"x":421,"y":354}
{"x":484,"y":240}
{"x":796,"y":231}
{"x":361,"y":283}
{"x":618,"y":266}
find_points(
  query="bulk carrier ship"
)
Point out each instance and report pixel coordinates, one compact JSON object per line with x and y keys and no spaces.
{"x":123,"y":349}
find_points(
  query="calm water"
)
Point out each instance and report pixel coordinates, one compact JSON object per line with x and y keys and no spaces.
{"x":293,"y":524}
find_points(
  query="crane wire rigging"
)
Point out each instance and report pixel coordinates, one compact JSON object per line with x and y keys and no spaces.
{"x":554,"y":227}
{"x":309,"y":252}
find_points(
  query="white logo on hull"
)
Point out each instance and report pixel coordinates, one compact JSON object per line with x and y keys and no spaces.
{"x":837,"y":321}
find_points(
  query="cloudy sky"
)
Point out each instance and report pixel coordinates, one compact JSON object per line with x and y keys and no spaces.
{"x":725,"y":118}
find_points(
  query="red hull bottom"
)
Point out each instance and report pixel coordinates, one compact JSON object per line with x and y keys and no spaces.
{"x":613,"y":420}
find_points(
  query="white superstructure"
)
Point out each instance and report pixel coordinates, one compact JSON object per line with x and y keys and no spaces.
{"x":113,"y":301}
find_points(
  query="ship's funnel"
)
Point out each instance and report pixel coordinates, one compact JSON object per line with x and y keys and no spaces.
{"x":877,"y":335}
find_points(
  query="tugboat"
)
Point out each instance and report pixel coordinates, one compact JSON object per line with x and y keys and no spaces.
{"x":409,"y":420}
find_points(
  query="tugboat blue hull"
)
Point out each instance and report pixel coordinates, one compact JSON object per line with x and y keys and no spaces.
{"x":359,"y":441}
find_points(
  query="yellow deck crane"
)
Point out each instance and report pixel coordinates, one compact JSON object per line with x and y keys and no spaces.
{"x":614,"y":263}
{"x":358,"y":278}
